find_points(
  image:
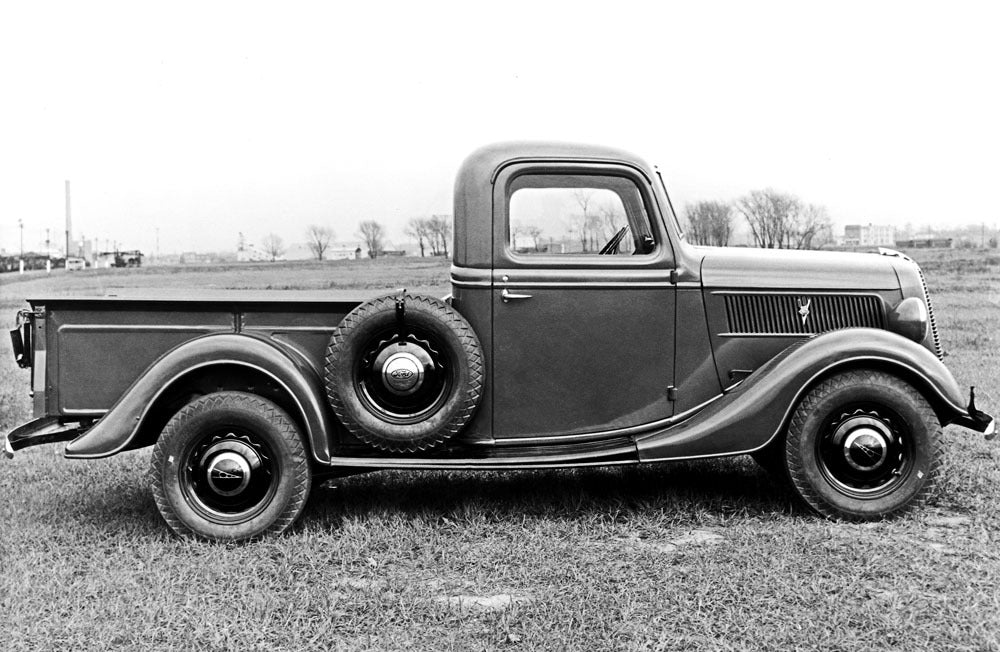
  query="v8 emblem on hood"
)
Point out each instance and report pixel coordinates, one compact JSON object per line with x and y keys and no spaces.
{"x":804,"y":309}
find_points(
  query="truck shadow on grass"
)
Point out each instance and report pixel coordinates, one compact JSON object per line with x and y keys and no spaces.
{"x":119,"y":503}
{"x":685,"y":490}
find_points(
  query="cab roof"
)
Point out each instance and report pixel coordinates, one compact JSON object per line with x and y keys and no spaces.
{"x":473,"y":208}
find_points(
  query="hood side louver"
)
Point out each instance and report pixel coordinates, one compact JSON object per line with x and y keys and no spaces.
{"x":801,"y":314}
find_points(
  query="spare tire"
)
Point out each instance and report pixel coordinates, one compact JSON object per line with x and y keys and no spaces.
{"x":404,"y":373}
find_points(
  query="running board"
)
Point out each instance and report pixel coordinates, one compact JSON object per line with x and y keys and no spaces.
{"x":620,"y":450}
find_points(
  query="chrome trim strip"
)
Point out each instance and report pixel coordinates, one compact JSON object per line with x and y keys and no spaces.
{"x":98,"y":328}
{"x":567,"y":284}
{"x":470,"y":284}
{"x":590,"y":284}
{"x":87,"y":412}
{"x":297,"y":329}
{"x":802,"y":293}
{"x":799,"y":335}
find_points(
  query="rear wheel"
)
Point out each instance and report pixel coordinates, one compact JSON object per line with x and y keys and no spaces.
{"x":230,"y":466}
{"x":863,"y":445}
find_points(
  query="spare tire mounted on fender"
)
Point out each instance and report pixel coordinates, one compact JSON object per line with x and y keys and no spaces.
{"x":404,"y":373}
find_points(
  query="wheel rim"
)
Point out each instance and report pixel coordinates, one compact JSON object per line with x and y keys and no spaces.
{"x":230,"y":475}
{"x":864,"y":451}
{"x":404,"y":378}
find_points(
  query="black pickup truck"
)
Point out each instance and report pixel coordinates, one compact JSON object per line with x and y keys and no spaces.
{"x":582,"y":329}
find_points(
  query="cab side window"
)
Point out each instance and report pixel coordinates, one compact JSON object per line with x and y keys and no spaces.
{"x":577,"y":215}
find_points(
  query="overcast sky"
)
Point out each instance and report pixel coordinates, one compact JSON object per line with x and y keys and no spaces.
{"x":202,"y":120}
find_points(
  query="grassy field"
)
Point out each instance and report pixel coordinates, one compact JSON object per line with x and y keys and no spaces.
{"x":709,"y":555}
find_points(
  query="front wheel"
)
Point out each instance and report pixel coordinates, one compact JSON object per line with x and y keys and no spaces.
{"x":230,"y":466}
{"x":863,"y":445}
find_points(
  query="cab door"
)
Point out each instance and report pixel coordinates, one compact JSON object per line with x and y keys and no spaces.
{"x":583,"y":304}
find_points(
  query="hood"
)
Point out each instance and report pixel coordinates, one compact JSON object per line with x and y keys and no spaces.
{"x":729,"y":267}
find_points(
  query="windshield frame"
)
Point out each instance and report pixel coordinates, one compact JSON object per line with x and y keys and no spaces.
{"x":670,"y":203}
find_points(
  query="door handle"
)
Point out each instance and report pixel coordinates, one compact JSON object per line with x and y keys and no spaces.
{"x":508,"y":296}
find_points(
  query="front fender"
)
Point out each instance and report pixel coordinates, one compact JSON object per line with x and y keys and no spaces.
{"x":123,"y":422}
{"x":749,"y":416}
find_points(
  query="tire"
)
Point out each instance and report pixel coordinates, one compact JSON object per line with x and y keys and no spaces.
{"x":404,"y":381}
{"x":863,"y":445}
{"x":230,"y":466}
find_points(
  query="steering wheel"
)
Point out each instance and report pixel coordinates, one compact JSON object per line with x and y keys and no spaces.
{"x":612,"y":244}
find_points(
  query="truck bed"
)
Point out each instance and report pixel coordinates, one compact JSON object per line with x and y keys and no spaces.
{"x":96,"y":347}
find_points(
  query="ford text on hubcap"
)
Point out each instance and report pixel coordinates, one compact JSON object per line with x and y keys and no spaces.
{"x":403,"y":379}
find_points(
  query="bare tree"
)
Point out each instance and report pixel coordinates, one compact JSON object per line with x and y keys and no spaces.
{"x":780,"y":220}
{"x":535,"y":233}
{"x":770,"y":215}
{"x":516,"y":229}
{"x":710,"y":222}
{"x":440,"y":228}
{"x":614,"y":219}
{"x":419,"y":228}
{"x":372,"y":232}
{"x":812,"y":227}
{"x":273,"y":246}
{"x":318,"y":238}
{"x":585,"y":222}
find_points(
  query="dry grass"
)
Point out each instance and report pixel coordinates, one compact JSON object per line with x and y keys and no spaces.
{"x":696,"y":555}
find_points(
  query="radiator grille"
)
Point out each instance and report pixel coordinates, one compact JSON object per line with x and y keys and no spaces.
{"x":782,"y":314}
{"x":930,"y":315}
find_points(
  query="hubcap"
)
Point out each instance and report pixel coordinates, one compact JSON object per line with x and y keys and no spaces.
{"x":229,"y":476}
{"x":403,"y":378}
{"x":228,"y":473}
{"x":865,"y":449}
{"x":403,"y":373}
{"x":864,"y":452}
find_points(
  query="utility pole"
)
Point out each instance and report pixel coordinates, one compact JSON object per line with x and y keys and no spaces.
{"x":68,"y":223}
{"x":47,"y":253}
{"x":20,"y":225}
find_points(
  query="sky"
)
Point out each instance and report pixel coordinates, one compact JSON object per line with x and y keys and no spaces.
{"x":181,"y":125}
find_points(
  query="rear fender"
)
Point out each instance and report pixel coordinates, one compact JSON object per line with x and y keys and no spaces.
{"x":751,"y":414}
{"x":119,"y":429}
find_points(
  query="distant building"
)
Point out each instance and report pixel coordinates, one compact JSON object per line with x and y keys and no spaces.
{"x":925,"y":242}
{"x":247,"y":253}
{"x":342,"y":253}
{"x":869,"y":235}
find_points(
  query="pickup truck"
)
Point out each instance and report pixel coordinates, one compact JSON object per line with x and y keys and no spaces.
{"x":582,"y":329}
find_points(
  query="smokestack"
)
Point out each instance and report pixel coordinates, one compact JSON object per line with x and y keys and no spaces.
{"x":69,"y":223}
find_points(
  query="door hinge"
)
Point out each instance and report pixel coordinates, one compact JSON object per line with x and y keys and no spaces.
{"x":673,"y":276}
{"x":671,"y":393}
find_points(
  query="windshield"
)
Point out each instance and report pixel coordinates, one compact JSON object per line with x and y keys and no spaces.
{"x":673,"y":214}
